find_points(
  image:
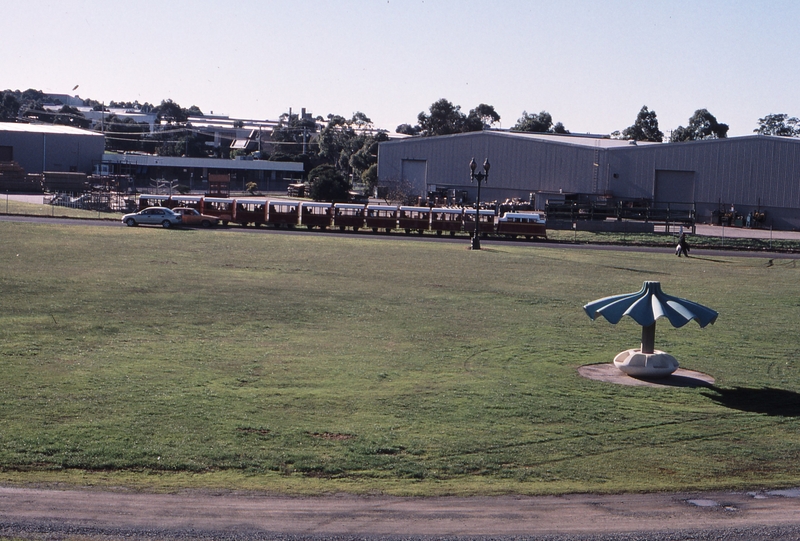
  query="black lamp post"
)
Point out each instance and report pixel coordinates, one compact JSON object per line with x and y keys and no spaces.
{"x":478,"y":177}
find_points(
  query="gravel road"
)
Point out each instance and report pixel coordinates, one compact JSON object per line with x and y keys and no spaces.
{"x":94,"y":514}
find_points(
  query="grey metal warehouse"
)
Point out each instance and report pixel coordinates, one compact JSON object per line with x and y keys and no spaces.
{"x":44,"y":147}
{"x":753,"y":174}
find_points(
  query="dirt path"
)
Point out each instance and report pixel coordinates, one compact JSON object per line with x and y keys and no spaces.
{"x":88,"y":513}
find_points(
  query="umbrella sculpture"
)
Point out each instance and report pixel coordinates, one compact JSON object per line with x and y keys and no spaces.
{"x":645,"y":307}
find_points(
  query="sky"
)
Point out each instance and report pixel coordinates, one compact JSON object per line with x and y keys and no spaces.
{"x":591,"y":64}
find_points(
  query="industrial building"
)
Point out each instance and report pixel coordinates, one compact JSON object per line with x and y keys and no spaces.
{"x":45,"y":147}
{"x":753,"y":176}
{"x":57,"y":151}
{"x":194,"y":172}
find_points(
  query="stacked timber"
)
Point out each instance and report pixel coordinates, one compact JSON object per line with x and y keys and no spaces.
{"x":59,"y":181}
{"x":14,"y":180}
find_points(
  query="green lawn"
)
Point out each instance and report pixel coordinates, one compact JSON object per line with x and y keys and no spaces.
{"x":9,"y":206}
{"x":162,"y":359}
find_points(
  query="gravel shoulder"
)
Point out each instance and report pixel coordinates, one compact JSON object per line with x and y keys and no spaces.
{"x":27,"y":512}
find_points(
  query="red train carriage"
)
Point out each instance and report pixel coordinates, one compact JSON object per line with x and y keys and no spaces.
{"x":414,"y":219}
{"x":529,"y":224}
{"x":188,"y":201}
{"x":487,"y":221}
{"x":283,"y":213}
{"x":348,"y":215}
{"x":316,"y":215}
{"x":251,"y":211}
{"x":155,"y":200}
{"x":221,"y":207}
{"x":381,"y":217}
{"x":444,"y":219}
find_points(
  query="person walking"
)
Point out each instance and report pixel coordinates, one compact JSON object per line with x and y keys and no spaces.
{"x":683,"y":246}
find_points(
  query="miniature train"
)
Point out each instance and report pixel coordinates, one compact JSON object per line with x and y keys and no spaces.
{"x":349,"y":216}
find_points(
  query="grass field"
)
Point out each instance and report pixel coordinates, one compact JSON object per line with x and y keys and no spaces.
{"x":10,"y":206}
{"x":161,"y":359}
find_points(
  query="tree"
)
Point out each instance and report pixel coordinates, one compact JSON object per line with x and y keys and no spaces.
{"x":702,"y":125}
{"x":9,"y":106}
{"x":327,"y":184}
{"x":15,"y":104}
{"x":126,"y":134}
{"x":535,"y":123}
{"x":559,"y":128}
{"x":444,"y":119}
{"x":174,"y":113}
{"x":70,"y":116}
{"x":194,"y":110}
{"x":291,"y":137}
{"x":370,"y":176}
{"x":338,"y":140}
{"x":482,"y":117}
{"x":645,"y":128}
{"x":350,"y":145}
{"x":400,"y":191}
{"x":408,"y":129}
{"x":778,"y":124}
{"x":538,"y":123}
{"x":365,"y":160}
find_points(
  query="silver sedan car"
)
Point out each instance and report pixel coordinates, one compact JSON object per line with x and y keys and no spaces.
{"x":154,"y":216}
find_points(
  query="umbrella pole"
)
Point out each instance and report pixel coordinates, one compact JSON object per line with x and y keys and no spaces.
{"x":649,"y":338}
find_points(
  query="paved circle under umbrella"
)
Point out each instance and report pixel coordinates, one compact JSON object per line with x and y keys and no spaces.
{"x":645,"y":307}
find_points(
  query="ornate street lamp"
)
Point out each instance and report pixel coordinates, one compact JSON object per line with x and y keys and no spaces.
{"x":478,"y":177}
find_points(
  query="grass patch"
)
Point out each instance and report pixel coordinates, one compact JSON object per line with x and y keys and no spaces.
{"x":670,"y":240}
{"x":34,"y":209}
{"x":167,"y":359}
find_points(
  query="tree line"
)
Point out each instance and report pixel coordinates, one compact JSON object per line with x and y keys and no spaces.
{"x":445,"y":118}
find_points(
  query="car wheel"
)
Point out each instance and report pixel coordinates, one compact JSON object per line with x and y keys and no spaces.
{"x":130,"y":222}
{"x":205,"y":223}
{"x":166,"y":224}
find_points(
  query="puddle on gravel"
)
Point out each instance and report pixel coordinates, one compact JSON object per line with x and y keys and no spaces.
{"x":787,"y":493}
{"x":703,"y":503}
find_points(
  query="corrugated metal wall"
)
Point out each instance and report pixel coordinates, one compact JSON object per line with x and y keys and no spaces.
{"x":37,"y":152}
{"x":741,"y":171}
{"x":518,"y":165}
{"x":754,"y":172}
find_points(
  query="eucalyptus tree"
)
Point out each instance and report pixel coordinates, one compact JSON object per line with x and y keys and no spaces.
{"x":445,"y":118}
{"x":538,"y":123}
{"x":778,"y":124}
{"x":702,"y":125}
{"x":645,"y":128}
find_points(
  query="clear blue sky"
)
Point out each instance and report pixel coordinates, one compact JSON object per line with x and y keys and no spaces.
{"x":591,"y":64}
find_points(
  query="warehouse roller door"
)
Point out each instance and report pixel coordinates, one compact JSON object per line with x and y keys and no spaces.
{"x":674,"y":186}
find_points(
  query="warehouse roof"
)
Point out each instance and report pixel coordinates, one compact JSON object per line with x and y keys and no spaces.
{"x":584,"y":140}
{"x":45,"y":129}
